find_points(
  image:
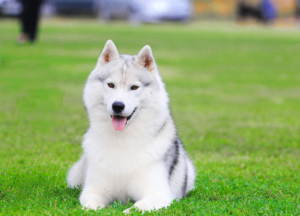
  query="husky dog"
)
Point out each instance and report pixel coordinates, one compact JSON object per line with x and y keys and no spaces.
{"x":131,"y":149}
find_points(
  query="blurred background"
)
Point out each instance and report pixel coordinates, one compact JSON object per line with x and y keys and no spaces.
{"x":281,"y":12}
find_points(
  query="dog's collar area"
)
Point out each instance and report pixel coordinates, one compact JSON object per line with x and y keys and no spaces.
{"x":128,"y":117}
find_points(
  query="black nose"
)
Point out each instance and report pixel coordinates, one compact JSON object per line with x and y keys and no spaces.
{"x":118,"y":106}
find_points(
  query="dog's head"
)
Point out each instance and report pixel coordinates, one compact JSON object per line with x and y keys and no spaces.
{"x":121,"y":85}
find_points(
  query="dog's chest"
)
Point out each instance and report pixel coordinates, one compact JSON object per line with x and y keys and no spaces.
{"x":117,"y":161}
{"x":123,"y":153}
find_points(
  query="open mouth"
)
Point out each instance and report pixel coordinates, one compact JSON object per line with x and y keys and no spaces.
{"x":119,"y":122}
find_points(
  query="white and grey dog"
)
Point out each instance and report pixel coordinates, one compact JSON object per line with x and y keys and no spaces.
{"x":131,"y":149}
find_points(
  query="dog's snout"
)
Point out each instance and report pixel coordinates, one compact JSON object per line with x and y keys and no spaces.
{"x":118,"y":106}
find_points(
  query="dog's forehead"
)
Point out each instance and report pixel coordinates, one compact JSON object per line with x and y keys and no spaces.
{"x":127,"y":58}
{"x":125,"y":69}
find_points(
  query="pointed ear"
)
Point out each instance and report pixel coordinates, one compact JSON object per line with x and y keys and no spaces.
{"x":145,"y":58}
{"x":109,"y":53}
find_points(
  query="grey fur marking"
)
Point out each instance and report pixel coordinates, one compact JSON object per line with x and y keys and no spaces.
{"x":162,"y":127}
{"x":184,"y":186}
{"x":102,"y":78}
{"x":145,"y":84}
{"x":127,"y":58}
{"x":176,"y":156}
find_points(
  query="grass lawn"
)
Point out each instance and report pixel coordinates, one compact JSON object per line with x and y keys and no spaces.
{"x":235,"y":96}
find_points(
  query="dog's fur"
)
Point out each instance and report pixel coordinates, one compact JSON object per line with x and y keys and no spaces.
{"x":144,"y":161}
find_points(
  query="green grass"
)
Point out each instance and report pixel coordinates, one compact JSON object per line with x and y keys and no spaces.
{"x":235,"y":96}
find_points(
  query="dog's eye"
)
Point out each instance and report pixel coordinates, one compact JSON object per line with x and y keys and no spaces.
{"x":110,"y":85}
{"x":134,"y":87}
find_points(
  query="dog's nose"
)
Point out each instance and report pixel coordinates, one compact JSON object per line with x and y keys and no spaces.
{"x":118,"y":106}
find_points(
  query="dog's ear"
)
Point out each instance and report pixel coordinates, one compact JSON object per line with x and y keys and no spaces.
{"x":145,"y":58}
{"x":109,"y":53}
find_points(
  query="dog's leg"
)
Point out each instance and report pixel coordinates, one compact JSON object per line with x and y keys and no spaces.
{"x":76,"y":174}
{"x":151,"y":189}
{"x":93,"y":195}
{"x":92,"y":200}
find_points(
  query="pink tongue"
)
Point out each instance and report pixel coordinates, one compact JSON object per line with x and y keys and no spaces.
{"x":118,"y":122}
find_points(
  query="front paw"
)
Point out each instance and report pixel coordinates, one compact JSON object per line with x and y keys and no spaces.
{"x":92,"y":201}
